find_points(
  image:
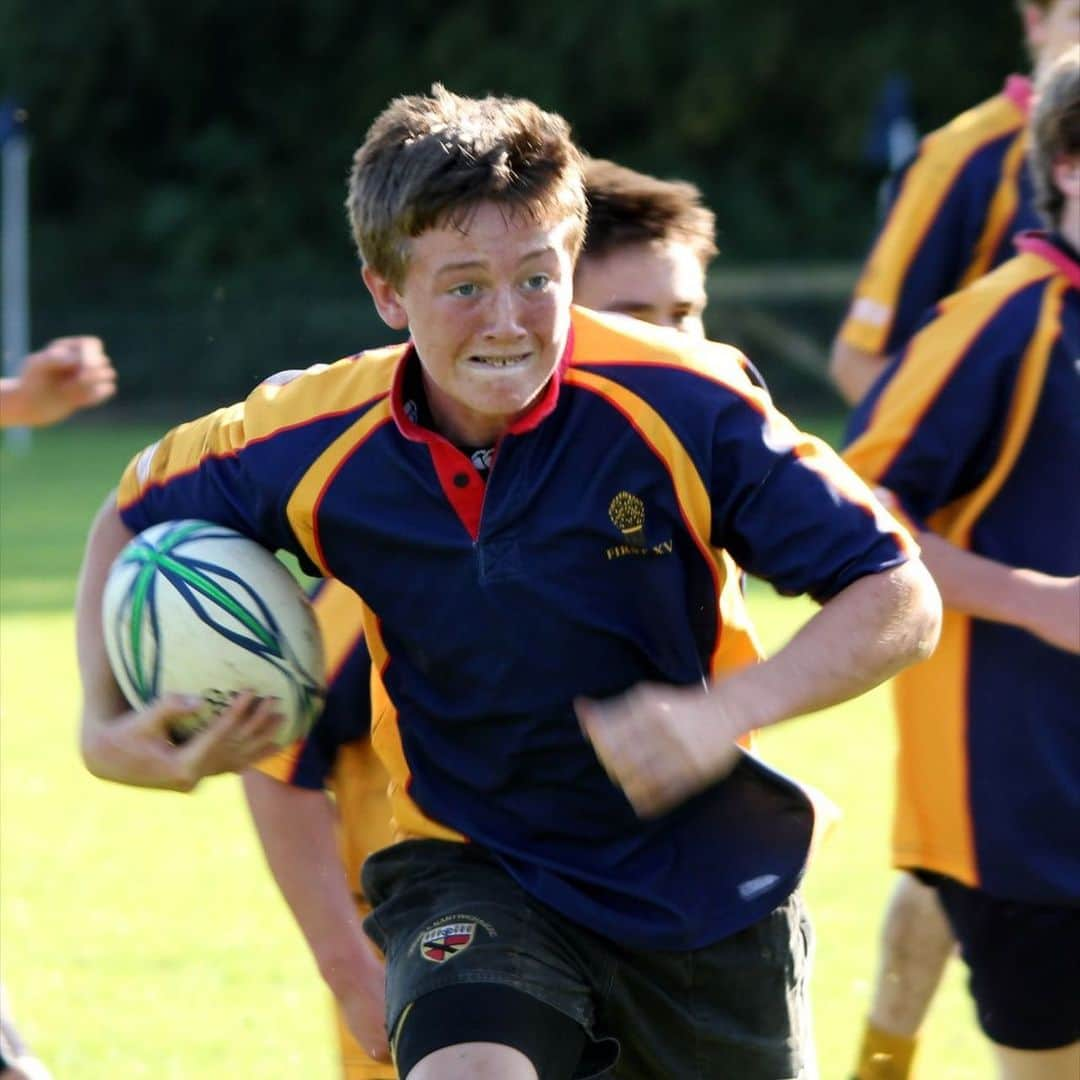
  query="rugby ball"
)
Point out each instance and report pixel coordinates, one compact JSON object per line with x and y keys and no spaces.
{"x":195,"y":608}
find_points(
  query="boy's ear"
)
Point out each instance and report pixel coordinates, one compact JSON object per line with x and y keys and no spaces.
{"x":387,"y":300}
{"x":1066,"y":173}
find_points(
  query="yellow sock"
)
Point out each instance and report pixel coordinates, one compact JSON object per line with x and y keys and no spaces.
{"x":884,"y":1056}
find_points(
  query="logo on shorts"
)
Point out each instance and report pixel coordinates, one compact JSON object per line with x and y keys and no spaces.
{"x":442,"y":943}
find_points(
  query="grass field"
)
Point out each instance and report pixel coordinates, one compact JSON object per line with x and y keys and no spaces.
{"x":141,"y":935}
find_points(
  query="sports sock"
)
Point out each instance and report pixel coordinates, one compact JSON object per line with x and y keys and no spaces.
{"x":884,"y":1056}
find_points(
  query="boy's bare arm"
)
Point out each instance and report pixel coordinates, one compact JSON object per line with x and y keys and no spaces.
{"x":661,"y":744}
{"x":296,"y":827}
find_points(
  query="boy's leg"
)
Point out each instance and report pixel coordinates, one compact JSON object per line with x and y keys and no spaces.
{"x":443,"y":1036}
{"x":473,"y":961}
{"x":474,"y":1061}
{"x":1022,"y":960}
{"x":916,"y":943}
{"x":1060,"y":1064}
{"x":737,"y":1008}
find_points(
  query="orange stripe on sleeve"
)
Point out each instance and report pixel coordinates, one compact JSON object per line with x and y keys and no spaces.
{"x":924,"y":189}
{"x":929,"y":363}
{"x":181,"y":451}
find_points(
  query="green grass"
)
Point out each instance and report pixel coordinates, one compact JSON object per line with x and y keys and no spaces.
{"x":141,"y":934}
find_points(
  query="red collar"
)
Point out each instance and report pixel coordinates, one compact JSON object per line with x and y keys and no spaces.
{"x":1039,"y":243}
{"x":532,"y":417}
{"x":1018,"y":90}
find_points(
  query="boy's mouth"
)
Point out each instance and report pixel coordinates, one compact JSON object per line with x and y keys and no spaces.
{"x":500,"y":361}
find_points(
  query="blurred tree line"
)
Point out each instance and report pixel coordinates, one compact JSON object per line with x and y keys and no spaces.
{"x":200,"y":149}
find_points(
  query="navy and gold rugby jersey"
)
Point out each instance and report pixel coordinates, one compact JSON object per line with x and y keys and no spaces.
{"x":953,"y":213}
{"x":598,"y":554}
{"x":977,"y":433}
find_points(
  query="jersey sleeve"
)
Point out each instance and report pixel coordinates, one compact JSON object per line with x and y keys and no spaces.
{"x":238,"y":466}
{"x":929,"y":236}
{"x":790,"y":511}
{"x":931,"y":432}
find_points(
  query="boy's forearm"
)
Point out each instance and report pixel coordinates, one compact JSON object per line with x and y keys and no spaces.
{"x":865,"y":634}
{"x":296,"y":828}
{"x":853,"y":371}
{"x":102,"y":698}
{"x":975,"y":585}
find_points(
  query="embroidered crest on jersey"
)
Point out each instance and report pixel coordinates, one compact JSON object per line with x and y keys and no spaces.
{"x":442,"y":943}
{"x":627,"y":513}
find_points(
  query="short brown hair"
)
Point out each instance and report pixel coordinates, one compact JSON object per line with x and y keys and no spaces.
{"x":629,"y":207}
{"x":1055,"y":130}
{"x":431,"y":159}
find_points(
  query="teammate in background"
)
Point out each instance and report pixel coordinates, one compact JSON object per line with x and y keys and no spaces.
{"x":952,"y":217}
{"x":975,"y":432}
{"x":648,"y":245}
{"x":953,"y":212}
{"x":69,"y":374}
{"x":558,"y":626}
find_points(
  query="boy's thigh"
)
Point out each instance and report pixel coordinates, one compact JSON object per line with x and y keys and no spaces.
{"x":448,"y":916}
{"x":737,"y":1008}
{"x":1022,"y":963}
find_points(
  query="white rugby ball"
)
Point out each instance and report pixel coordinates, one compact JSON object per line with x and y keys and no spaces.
{"x":195,"y":608}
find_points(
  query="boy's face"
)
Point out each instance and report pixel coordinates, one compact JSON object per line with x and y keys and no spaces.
{"x":659,"y":282}
{"x":1053,"y":31}
{"x":488,"y":308}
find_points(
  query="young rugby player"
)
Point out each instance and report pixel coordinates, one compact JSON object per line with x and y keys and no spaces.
{"x":976,"y":432}
{"x":648,"y":245}
{"x":952,"y":216}
{"x":565,"y":655}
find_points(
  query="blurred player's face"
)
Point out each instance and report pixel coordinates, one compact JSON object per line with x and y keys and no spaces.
{"x":662,"y":283}
{"x":488,"y":308}
{"x":1053,"y":31}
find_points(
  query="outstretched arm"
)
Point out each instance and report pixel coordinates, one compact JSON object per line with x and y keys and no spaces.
{"x":69,"y":374}
{"x":296,"y":827}
{"x":661,"y":744}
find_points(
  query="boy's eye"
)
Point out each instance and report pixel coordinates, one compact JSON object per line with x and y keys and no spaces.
{"x":535,"y":282}
{"x":466,"y":288}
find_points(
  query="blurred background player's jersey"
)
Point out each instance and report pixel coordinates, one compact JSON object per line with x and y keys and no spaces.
{"x":954,"y":211}
{"x":976,"y":429}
